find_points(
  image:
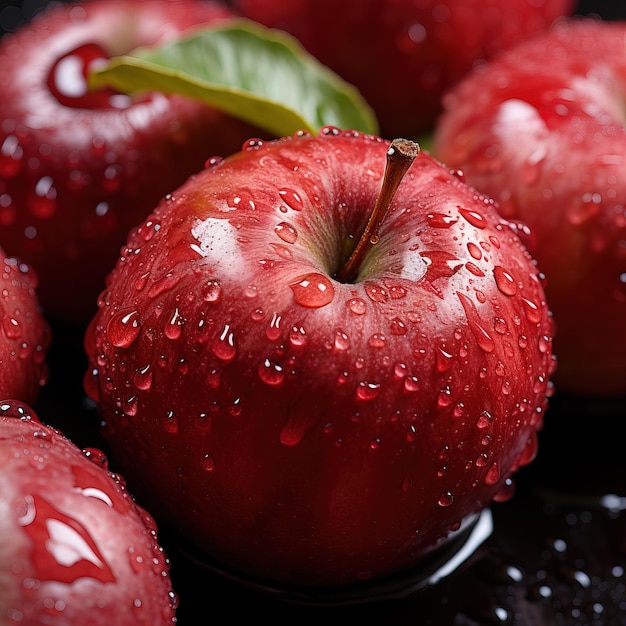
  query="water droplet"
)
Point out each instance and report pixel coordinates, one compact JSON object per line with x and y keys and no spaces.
{"x":224,"y":346}
{"x":376,"y":293}
{"x":440,"y":220}
{"x":174,"y":328}
{"x":291,"y":198}
{"x":444,"y":398}
{"x":443,"y":360}
{"x":377,"y":340}
{"x":474,"y":269}
{"x":295,"y":428}
{"x":170,"y":422}
{"x":212,"y":290}
{"x":65,"y":550}
{"x":257,"y":315}
{"x":411,"y":384}
{"x":341,"y":341}
{"x":140,"y":282}
{"x":493,"y":475}
{"x":297,"y":336}
{"x":474,"y":251}
{"x":123,"y":328}
{"x":367,"y":391}
{"x":483,"y":338}
{"x":532,"y":310}
{"x":397,"y":327}
{"x":130,"y":405}
{"x":475,"y":218}
{"x":142,"y":379}
{"x":207,"y":463}
{"x":167,"y":282}
{"x":505,"y":281}
{"x":358,"y":306}
{"x":286,"y":232}
{"x":273,"y":330}
{"x":252,"y":144}
{"x":271,"y":373}
{"x":97,"y":456}
{"x":313,"y":290}
{"x":445,"y":499}
{"x":213,"y":162}
{"x":440,"y":264}
{"x":484,"y":419}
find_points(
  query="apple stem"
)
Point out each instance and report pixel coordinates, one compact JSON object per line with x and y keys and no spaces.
{"x":400,"y":156}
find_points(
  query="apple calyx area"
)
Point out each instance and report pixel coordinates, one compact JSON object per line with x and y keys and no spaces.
{"x":400,"y":155}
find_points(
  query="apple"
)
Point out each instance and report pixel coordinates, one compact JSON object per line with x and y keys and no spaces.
{"x":303,"y":409}
{"x":404,"y":54}
{"x":24,"y":332}
{"x":79,"y":169}
{"x":74,"y":546}
{"x":541,"y":130}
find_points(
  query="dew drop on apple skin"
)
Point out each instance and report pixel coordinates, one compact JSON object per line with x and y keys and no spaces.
{"x":291,"y":198}
{"x":504,"y":281}
{"x":212,"y":290}
{"x":341,"y":341}
{"x":123,"y":328}
{"x":207,"y":463}
{"x":358,"y":306}
{"x":472,"y":216}
{"x":445,"y":499}
{"x":314,"y":290}
{"x":224,"y":346}
{"x":174,"y":327}
{"x":170,"y":422}
{"x":271,"y":373}
{"x":367,"y":391}
{"x":286,"y":232}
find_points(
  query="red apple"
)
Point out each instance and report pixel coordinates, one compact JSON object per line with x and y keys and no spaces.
{"x":24,"y":332}
{"x":79,"y":169}
{"x":303,"y":419}
{"x":403,"y":54}
{"x":74,"y":546}
{"x":542,"y":131}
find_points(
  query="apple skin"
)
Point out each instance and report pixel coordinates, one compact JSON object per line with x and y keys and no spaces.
{"x":403,"y":54}
{"x":74,"y":546}
{"x":541,"y":130}
{"x":76,"y":173}
{"x":25,"y":335}
{"x":300,"y":430}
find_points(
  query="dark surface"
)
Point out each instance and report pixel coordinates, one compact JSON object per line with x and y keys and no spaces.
{"x":557,"y":554}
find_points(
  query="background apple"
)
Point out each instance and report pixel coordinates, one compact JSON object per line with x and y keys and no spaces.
{"x":74,"y":547}
{"x":303,"y":430}
{"x":24,"y":332}
{"x":78,"y":169}
{"x":403,"y":54}
{"x":541,"y":130}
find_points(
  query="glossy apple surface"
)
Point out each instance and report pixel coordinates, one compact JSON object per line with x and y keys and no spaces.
{"x":542,"y":131}
{"x":74,"y":547}
{"x":404,"y":54}
{"x":303,"y":430}
{"x":24,"y":332}
{"x":79,"y":169}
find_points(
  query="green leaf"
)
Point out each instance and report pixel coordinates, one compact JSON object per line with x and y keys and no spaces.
{"x":260,"y":75}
